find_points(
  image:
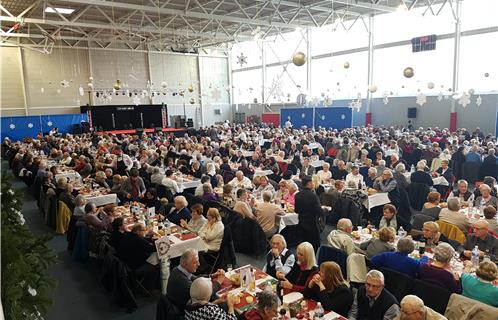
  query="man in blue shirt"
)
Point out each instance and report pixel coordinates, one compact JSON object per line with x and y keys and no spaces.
{"x":400,"y":261}
{"x":473,"y":155}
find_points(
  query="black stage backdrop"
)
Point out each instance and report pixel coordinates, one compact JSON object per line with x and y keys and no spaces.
{"x":122,"y":117}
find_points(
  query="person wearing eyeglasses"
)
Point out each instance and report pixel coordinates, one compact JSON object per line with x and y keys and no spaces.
{"x":486,"y":243}
{"x":372,"y":301}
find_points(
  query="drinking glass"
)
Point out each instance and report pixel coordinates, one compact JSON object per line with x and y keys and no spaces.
{"x":229,"y":267}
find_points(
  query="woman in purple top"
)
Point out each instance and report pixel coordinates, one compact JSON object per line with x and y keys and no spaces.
{"x":438,"y":271}
{"x":208,"y":194}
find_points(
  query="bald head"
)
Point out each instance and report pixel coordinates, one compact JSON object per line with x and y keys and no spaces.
{"x":412,"y":308}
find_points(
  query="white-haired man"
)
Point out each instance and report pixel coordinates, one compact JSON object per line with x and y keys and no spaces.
{"x":240,"y":181}
{"x":413,"y":308}
{"x":341,"y":237}
{"x":373,"y":301}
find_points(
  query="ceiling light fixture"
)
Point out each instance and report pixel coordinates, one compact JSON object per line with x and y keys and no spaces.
{"x":59,"y":10}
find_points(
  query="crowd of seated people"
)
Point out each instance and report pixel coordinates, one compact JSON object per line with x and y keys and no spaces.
{"x":149,"y":168}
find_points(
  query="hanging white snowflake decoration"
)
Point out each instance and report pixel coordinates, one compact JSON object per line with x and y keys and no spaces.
{"x":440,"y":96}
{"x":241,"y":59}
{"x":478,"y":101}
{"x":464,"y":100}
{"x":12,"y":126}
{"x":421,"y":99}
{"x":30,"y":125}
{"x":385,"y":98}
{"x":81,"y":91}
{"x":65,"y":84}
{"x":50,"y":123}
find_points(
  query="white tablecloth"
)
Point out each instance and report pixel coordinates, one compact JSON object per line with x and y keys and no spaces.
{"x":258,"y":172}
{"x":103,"y":199}
{"x":179,"y":246}
{"x":377,"y":199}
{"x":317,"y":163}
{"x":314,"y":145}
{"x":436,"y":181}
{"x":290,"y":219}
{"x":247,"y":154}
{"x":71,"y":175}
{"x":188,"y":184}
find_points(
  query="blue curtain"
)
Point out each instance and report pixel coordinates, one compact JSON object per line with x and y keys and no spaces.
{"x":16,"y":128}
{"x":333,"y":117}
{"x":297,"y":116}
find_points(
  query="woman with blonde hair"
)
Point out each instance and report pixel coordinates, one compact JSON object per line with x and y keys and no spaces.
{"x":303,"y":270}
{"x":431,"y":235}
{"x":383,"y":244}
{"x":480,"y":287}
{"x":330,"y":289}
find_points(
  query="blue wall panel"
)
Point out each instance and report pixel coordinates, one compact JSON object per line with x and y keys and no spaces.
{"x":298,"y":117}
{"x":333,"y":117}
{"x":17,"y":128}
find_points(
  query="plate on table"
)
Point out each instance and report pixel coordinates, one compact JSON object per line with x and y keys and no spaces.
{"x":185,"y":236}
{"x":292,"y":297}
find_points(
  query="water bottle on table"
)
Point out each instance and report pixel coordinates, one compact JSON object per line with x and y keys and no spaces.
{"x":319,"y":312}
{"x":401,"y":233}
{"x":475,"y":257}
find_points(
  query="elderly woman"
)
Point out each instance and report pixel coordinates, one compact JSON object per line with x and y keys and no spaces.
{"x":91,"y":217}
{"x":431,"y":208}
{"x":431,"y":235}
{"x":266,"y":308}
{"x":227,"y":198}
{"x":303,"y":270}
{"x":181,"y":211}
{"x":400,"y":177}
{"x":325,"y":174}
{"x":101,"y":179}
{"x":79,"y":206}
{"x":330,"y":289}
{"x":391,"y":219}
{"x":134,"y":186}
{"x":208,"y":194}
{"x":480,"y":287}
{"x":490,"y":217}
{"x":282,"y":190}
{"x":197,"y":221}
{"x":383,"y":244}
{"x":264,"y":186}
{"x":289,"y":197}
{"x":212,"y":231}
{"x":438,"y":272}
{"x":199,"y":307}
{"x":451,"y":215}
{"x":485,"y":199}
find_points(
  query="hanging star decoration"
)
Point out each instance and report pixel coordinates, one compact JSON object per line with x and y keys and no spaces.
{"x":421,"y":99}
{"x":136,"y":100}
{"x":12,"y":126}
{"x":478,"y":101}
{"x":241,"y":59}
{"x":464,"y":100}
{"x":440,"y":96}
{"x":215,"y":94}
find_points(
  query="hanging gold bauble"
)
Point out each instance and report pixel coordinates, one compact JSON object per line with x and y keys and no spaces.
{"x":117,"y":85}
{"x":190,"y":88}
{"x":192,"y":101}
{"x":299,"y":59}
{"x":408,"y":72}
{"x":346,"y":65}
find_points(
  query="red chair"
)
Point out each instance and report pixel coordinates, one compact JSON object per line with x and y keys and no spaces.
{"x":450,"y":188}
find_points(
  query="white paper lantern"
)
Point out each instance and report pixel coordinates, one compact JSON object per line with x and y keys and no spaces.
{"x":372,"y":88}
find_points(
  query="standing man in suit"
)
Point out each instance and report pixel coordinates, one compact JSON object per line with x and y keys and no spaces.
{"x":307,"y":170}
{"x":307,"y":206}
{"x":182,"y":276}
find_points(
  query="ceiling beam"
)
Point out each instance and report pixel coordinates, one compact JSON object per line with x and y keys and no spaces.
{"x":166,"y":31}
{"x":183,"y":13}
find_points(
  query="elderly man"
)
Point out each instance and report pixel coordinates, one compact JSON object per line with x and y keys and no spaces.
{"x":266,"y":213}
{"x":339,"y":172}
{"x":413,"y":308}
{"x":373,"y":301}
{"x":420,"y":176}
{"x":67,"y":196}
{"x":371,"y":176}
{"x":307,"y":170}
{"x":156,"y":177}
{"x":279,"y":259}
{"x":180,"y":211}
{"x":463,"y":193}
{"x":108,"y":176}
{"x":181,"y":278}
{"x":386,"y":183}
{"x":240,"y":181}
{"x":355,"y":176}
{"x":486,"y":243}
{"x":400,"y":261}
{"x":341,"y":237}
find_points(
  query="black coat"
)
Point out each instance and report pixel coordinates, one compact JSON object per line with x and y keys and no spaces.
{"x":421,"y":177}
{"x":134,"y":250}
{"x":307,"y":206}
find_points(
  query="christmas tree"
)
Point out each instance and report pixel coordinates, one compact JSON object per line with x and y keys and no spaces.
{"x":25,"y":260}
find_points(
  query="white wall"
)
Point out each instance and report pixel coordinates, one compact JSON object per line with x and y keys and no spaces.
{"x":43,"y":75}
